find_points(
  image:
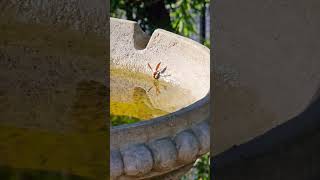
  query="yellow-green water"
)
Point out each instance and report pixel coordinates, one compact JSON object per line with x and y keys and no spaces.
{"x":139,"y":106}
{"x":133,"y":96}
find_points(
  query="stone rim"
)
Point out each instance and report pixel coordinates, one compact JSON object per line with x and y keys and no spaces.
{"x":151,"y":165}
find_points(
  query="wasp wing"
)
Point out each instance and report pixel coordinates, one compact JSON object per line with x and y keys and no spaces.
{"x":158,"y":65}
{"x":163,"y":70}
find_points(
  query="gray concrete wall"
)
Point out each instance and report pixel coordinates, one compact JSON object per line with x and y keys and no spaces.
{"x":266,"y":66}
{"x":266,"y":74}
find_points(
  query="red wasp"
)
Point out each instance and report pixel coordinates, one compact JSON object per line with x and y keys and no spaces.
{"x":156,"y":73}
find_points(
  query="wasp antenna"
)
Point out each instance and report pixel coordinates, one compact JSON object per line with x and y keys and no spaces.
{"x":150,"y":66}
{"x":158,"y":65}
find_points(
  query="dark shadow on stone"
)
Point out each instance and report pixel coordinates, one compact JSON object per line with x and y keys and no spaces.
{"x":7,"y":173}
{"x":289,"y":151}
{"x":141,"y":39}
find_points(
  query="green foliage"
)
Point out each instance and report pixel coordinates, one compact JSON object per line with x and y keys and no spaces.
{"x":207,"y":43}
{"x":182,"y":14}
{"x":119,"y":120}
{"x":201,"y":169}
{"x":182,"y":20}
{"x":133,"y":10}
{"x":117,"y":8}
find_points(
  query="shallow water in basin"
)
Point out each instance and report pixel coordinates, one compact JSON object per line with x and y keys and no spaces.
{"x":137,"y":96}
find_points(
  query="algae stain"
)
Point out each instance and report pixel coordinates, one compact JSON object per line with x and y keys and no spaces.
{"x":139,"y":107}
{"x":33,"y":151}
{"x":90,"y":107}
{"x":130,"y":100}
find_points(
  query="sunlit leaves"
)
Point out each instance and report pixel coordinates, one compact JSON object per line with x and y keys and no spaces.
{"x":183,"y":14}
{"x":207,"y":43}
{"x":117,"y":8}
{"x":182,"y":18}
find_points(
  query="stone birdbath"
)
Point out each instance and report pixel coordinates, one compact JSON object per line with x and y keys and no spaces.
{"x":165,"y":146}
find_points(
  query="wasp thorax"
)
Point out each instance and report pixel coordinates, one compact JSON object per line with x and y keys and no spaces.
{"x":156,"y":75}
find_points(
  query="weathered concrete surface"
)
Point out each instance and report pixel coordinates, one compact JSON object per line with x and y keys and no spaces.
{"x":44,"y":61}
{"x":174,"y":140}
{"x":266,"y":66}
{"x":81,"y":15}
{"x":52,"y":86}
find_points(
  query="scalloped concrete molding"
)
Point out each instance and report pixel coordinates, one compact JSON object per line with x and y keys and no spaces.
{"x":166,"y":145}
{"x":267,"y":67}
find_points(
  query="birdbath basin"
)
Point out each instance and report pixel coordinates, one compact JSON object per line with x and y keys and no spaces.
{"x":53,"y":90}
{"x":174,"y":131}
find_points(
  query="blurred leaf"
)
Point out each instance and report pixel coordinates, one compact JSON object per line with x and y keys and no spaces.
{"x":201,"y":169}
